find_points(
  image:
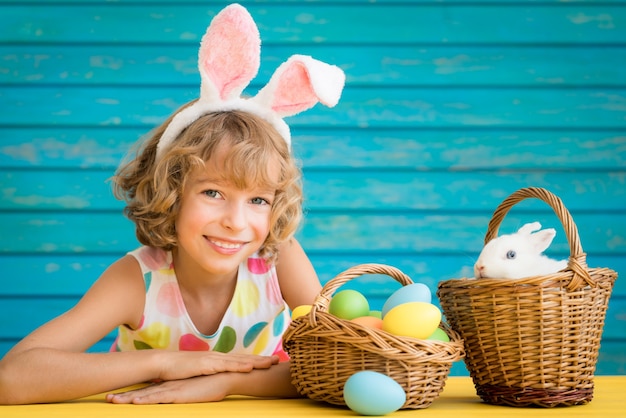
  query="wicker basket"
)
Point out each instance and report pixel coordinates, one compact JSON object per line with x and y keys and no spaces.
{"x":532,"y":341}
{"x":325,"y":350}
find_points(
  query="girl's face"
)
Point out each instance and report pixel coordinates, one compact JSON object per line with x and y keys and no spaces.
{"x":219,"y":225}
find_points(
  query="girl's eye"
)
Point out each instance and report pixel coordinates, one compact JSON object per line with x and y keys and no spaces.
{"x":259,"y":201}
{"x":511,"y":255}
{"x":212,"y":193}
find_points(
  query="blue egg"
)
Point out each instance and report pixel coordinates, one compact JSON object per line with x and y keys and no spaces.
{"x":372,"y":393}
{"x":415,"y":292}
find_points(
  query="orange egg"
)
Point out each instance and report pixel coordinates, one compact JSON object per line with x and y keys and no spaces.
{"x":369,"y":321}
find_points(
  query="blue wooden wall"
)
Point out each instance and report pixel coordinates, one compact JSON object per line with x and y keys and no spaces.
{"x":448,"y":108}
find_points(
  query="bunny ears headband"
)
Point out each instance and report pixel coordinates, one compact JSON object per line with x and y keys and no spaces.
{"x":229,"y":59}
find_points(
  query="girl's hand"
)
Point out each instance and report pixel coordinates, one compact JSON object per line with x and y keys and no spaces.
{"x":274,"y":382}
{"x":185,"y":364}
{"x":196,"y":389}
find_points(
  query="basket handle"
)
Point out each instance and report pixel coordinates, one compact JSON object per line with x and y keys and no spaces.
{"x":322,"y":301}
{"x":577,"y":261}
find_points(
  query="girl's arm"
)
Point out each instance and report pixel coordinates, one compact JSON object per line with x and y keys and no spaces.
{"x":50,"y":364}
{"x":299,"y":283}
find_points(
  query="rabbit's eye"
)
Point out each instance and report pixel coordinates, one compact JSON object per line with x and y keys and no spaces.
{"x":511,"y":255}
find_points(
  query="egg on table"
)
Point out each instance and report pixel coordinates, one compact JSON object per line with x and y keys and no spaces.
{"x":372,"y":393}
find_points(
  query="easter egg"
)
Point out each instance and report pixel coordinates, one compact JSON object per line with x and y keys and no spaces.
{"x":415,"y":292}
{"x":349,"y":304}
{"x":369,"y":321}
{"x":412,"y":319}
{"x":300,"y":310}
{"x":372,"y":393}
{"x":376,"y":314}
{"x":439,"y":335}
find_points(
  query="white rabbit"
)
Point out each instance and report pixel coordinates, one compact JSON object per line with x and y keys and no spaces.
{"x":518,"y":255}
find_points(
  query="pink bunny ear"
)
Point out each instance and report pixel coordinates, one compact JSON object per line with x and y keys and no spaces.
{"x":229,"y":55}
{"x":299,"y":83}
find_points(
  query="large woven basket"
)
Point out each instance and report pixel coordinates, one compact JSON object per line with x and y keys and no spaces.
{"x":532,"y":341}
{"x":325,"y":350}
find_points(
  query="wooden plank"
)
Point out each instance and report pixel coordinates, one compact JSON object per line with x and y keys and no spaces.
{"x":359,"y":107}
{"x":461,"y":149}
{"x":402,"y":231}
{"x":320,"y":23}
{"x":365,"y":65}
{"x":247,"y":3}
{"x":19,"y":316}
{"x":79,"y":147}
{"x":450,"y":232}
{"x":48,"y":275}
{"x":50,"y":190}
{"x":342,"y":189}
{"x":59,"y":274}
{"x":612,"y":358}
{"x":331,"y":148}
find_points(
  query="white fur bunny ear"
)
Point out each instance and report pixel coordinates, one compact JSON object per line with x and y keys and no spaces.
{"x":300,"y":83}
{"x":297,"y":85}
{"x":229,"y":59}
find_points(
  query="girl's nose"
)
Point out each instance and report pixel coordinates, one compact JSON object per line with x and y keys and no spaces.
{"x":234,"y":216}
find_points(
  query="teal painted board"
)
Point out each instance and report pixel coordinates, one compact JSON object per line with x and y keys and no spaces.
{"x":404,"y":231}
{"x":365,"y":65}
{"x":318,"y":23}
{"x":322,"y":148}
{"x":359,"y":107}
{"x":78,"y":147}
{"x":54,"y":190}
{"x":247,"y":3}
{"x":340,"y":190}
{"x":54,"y":274}
{"x":65,"y":274}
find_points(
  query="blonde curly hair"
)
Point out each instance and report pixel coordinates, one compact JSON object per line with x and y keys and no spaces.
{"x":153,"y":189}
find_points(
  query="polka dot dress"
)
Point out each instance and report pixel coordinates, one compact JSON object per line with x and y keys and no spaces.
{"x":253,"y":323}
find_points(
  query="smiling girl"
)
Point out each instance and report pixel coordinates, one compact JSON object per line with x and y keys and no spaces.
{"x":215,"y":196}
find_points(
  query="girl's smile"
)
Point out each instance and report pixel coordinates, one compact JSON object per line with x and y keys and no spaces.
{"x":225,"y":247}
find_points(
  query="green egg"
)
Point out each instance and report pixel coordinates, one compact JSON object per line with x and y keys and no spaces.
{"x":349,"y":304}
{"x":439,"y":335}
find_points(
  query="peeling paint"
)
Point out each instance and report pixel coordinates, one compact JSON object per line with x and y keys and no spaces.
{"x":52,"y":268}
{"x":604,"y":20}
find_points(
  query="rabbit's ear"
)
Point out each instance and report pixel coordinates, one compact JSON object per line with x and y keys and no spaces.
{"x":530,"y":227}
{"x":299,"y":83}
{"x":229,"y":55}
{"x":541,"y":240}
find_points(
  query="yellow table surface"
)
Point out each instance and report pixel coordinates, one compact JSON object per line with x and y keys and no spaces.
{"x":457,"y":400}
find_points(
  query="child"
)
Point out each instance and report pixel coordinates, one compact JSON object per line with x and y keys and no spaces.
{"x":216,"y":198}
